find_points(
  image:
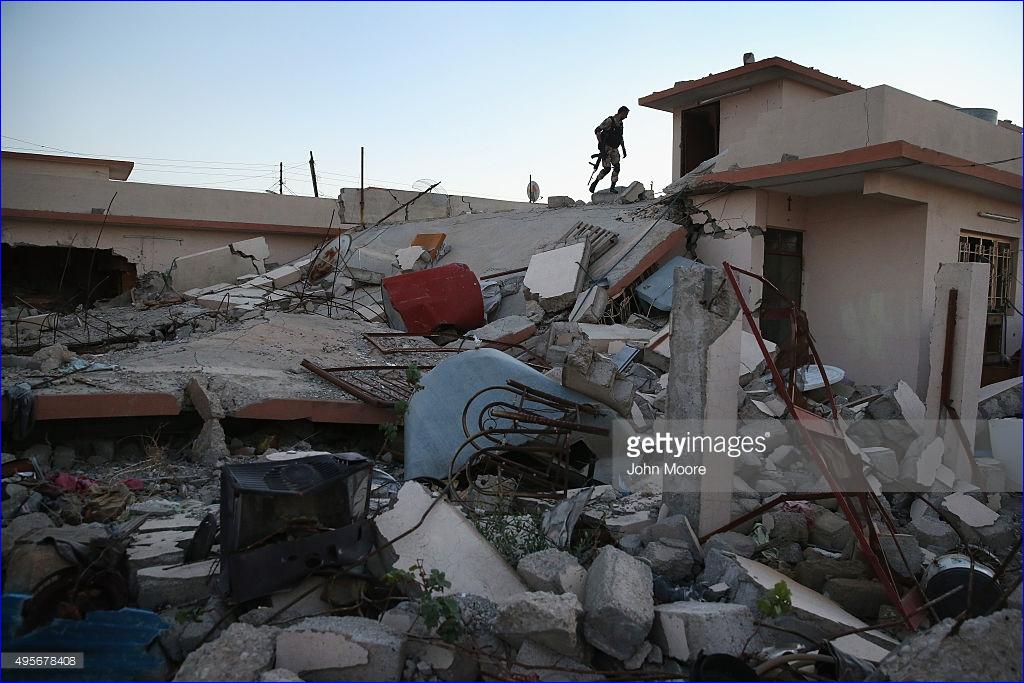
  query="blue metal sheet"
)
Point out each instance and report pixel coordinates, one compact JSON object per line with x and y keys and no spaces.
{"x":115,"y":643}
{"x":657,"y":289}
{"x":433,"y":422}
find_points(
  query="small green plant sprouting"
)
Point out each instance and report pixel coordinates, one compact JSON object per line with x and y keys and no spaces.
{"x":777,"y":601}
{"x":439,"y":612}
{"x":413,"y":375}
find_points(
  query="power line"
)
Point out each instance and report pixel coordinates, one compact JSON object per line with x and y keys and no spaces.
{"x":133,"y":157}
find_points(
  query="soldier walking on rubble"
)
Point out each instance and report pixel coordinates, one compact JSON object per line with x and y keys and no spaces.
{"x":609,"y":139}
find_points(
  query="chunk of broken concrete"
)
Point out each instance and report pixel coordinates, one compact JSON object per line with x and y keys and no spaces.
{"x":971,"y":511}
{"x":553,"y":571}
{"x":670,"y":558}
{"x":554,"y":278}
{"x":175,"y":584}
{"x":211,"y":444}
{"x":560,"y":202}
{"x":984,"y":649}
{"x":683,"y":629}
{"x":619,"y":603}
{"x":341,"y":648}
{"x":241,"y":653}
{"x":547,"y":619}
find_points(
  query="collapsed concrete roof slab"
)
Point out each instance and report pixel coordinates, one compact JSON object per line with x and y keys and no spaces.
{"x":253,"y":369}
{"x":498,"y":242}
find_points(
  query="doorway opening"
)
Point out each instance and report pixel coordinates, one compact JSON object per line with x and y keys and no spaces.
{"x":699,"y":139}
{"x":784,"y":268}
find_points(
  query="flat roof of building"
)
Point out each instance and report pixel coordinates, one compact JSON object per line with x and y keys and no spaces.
{"x":119,"y":170}
{"x":689,"y":93}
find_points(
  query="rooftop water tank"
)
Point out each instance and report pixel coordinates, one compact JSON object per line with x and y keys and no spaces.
{"x":990,"y":115}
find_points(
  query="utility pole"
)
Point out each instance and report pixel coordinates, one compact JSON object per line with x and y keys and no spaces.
{"x":280,"y":178}
{"x":362,"y":151}
{"x":312,"y":172}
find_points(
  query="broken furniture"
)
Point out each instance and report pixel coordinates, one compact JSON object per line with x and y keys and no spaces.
{"x":282,"y":521}
{"x":454,"y":405}
{"x":426,"y":301}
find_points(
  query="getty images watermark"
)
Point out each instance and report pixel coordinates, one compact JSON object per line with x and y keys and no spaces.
{"x":668,"y":445}
{"x":771,"y":456}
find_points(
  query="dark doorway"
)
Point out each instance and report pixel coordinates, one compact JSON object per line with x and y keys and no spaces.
{"x":57,"y":278}
{"x":699,"y":139}
{"x":784,"y":268}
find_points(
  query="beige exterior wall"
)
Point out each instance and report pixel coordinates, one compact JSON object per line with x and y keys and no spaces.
{"x":56,"y":168}
{"x":148,"y":247}
{"x":738,"y":114}
{"x":870,"y":117}
{"x":864,"y":264}
{"x":45,"y":192}
{"x":951,"y":211}
{"x":869,"y":265}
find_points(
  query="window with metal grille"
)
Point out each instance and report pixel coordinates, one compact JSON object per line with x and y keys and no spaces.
{"x":999,"y":252}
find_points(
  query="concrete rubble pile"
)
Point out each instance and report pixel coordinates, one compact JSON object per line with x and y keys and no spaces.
{"x":470,"y":379}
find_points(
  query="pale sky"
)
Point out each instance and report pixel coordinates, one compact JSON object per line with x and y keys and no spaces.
{"x":478,"y":96}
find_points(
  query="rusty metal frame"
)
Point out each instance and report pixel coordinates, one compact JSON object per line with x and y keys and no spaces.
{"x":391,"y":393}
{"x":371,"y":337}
{"x":808,"y":422}
{"x":549,"y":436}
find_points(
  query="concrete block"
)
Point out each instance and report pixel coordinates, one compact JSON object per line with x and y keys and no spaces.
{"x":590,"y":305}
{"x":631,"y":523}
{"x":933,"y":534}
{"x":670,"y":559}
{"x":514,"y":329}
{"x":560,"y":202}
{"x":341,"y":648}
{"x":554,"y":278}
{"x":733,"y":542}
{"x":548,"y":619}
{"x":241,"y":653}
{"x":892,"y":546}
{"x":634,"y":192}
{"x":206,"y":404}
{"x":605,"y":197}
{"x":682,"y":629}
{"x":830,"y":531}
{"x":176,"y":584}
{"x":283,"y":276}
{"x":553,"y":571}
{"x":600,"y":336}
{"x":619,"y":603}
